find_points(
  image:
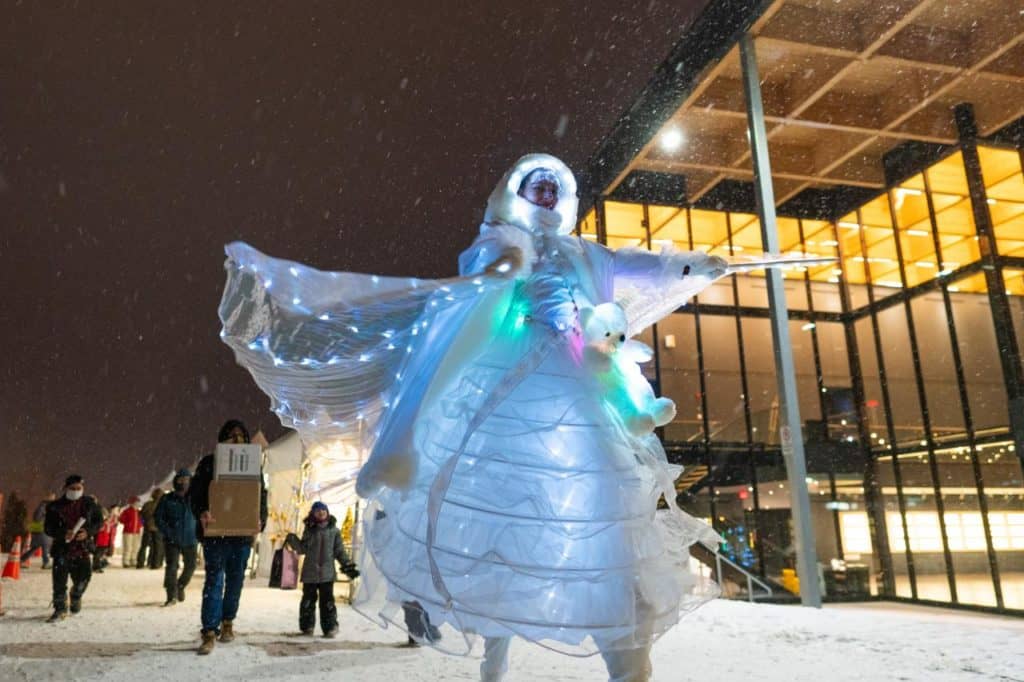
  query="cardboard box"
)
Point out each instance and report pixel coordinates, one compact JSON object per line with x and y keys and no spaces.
{"x":237,"y":460}
{"x":235,"y":507}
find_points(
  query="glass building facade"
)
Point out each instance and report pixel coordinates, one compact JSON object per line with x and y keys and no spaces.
{"x":912,"y":467}
{"x":901,"y":158}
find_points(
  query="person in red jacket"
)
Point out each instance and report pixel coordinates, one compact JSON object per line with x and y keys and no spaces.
{"x":105,"y":540}
{"x":131,"y":520}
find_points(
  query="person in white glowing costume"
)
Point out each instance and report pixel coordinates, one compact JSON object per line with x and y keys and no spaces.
{"x":506,"y":497}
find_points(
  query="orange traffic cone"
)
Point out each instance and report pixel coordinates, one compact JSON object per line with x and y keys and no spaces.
{"x":12,"y":569}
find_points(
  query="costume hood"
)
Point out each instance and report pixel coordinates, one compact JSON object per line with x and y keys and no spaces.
{"x":505,"y":205}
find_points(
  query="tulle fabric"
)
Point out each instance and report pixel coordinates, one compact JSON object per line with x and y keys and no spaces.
{"x":548,"y":529}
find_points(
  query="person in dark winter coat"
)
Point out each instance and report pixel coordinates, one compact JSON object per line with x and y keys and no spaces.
{"x":15,"y":522}
{"x":322,"y":544}
{"x":72,"y":521}
{"x":177,"y":525}
{"x":151,"y":539}
{"x":224,"y":557}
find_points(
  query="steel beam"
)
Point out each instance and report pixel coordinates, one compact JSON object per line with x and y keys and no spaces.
{"x":790,"y":435}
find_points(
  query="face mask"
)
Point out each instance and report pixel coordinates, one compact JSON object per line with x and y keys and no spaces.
{"x":73,"y":494}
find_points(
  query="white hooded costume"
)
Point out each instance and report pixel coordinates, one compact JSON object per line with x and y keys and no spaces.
{"x":505,"y":495}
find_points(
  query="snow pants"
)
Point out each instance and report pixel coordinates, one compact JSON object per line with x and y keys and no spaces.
{"x":172,"y":581}
{"x":154,"y":542}
{"x":307,"y":607}
{"x":129,"y":549}
{"x":79,"y":569}
{"x":224,"y":560}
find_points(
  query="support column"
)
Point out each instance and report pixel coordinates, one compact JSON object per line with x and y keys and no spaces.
{"x":1009,"y":351}
{"x":790,"y":429}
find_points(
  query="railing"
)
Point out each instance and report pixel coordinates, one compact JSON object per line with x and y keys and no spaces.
{"x":751,"y":578}
{"x":723,"y":565}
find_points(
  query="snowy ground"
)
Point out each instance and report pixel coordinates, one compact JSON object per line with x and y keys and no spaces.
{"x":123,"y":634}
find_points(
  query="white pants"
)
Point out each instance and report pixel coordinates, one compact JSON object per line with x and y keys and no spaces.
{"x":129,"y":548}
{"x":495,"y":663}
{"x":628,"y":665}
{"x":624,"y":665}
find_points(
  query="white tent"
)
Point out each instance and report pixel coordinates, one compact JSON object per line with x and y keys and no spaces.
{"x":331,"y":478}
{"x":286,"y":504}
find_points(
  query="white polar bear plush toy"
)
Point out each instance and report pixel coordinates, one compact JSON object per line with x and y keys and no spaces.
{"x":614,"y":361}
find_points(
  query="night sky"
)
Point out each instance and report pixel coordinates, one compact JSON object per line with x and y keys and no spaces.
{"x":136,"y":141}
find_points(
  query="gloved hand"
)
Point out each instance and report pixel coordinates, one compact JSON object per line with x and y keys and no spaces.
{"x":350,"y":570}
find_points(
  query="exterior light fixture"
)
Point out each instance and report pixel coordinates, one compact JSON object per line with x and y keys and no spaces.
{"x":672,"y":139}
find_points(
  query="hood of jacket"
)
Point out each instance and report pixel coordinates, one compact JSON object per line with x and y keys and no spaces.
{"x":506,"y":206}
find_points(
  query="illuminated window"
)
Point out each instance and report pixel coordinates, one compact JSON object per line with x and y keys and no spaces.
{"x":1004,"y":186}
{"x":855,"y":532}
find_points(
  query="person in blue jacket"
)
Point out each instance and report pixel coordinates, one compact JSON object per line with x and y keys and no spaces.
{"x":177,"y":524}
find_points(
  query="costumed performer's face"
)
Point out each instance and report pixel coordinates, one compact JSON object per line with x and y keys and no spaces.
{"x":540,"y":188}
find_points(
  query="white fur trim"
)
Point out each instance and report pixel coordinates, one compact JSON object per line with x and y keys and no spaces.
{"x":505,"y":205}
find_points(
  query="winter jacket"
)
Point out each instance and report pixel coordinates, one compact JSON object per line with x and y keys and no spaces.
{"x":131,"y":519}
{"x":148,"y":510}
{"x":38,"y":517}
{"x":176,"y":521}
{"x":199,"y":493}
{"x":322,"y":546}
{"x":61,"y":516}
{"x":107,"y":532}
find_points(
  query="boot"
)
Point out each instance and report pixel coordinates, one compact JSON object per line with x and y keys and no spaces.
{"x":308,"y":632}
{"x":227,"y":632}
{"x":331,"y":633}
{"x":209,"y":640}
{"x":181,"y":593}
{"x":76,"y":604}
{"x":59,"y":614}
{"x":171,"y":601}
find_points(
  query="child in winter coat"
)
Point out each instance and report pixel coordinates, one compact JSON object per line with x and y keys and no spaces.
{"x":321,"y":543}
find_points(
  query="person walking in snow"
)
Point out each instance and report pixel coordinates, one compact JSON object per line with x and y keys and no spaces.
{"x":322,"y":544}
{"x":131,"y":522}
{"x":72,"y":521}
{"x":224,"y":557}
{"x":105,"y":539}
{"x":151,"y":539}
{"x":40,"y":540}
{"x":177,"y":525}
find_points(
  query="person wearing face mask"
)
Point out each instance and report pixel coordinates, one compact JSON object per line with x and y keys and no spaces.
{"x":72,"y":521}
{"x":177,"y":525}
{"x":224,"y":557}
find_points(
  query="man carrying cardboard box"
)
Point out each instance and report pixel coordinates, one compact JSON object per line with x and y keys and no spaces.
{"x":230,"y":513}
